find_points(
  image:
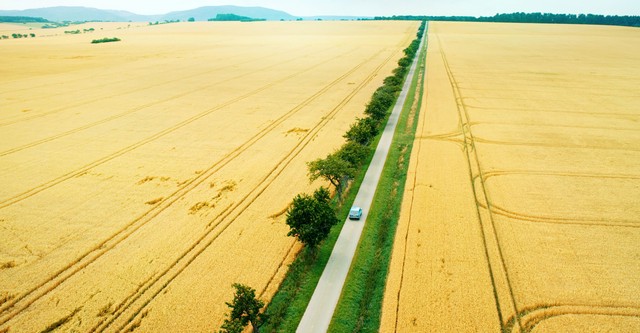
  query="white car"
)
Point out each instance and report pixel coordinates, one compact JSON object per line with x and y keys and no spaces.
{"x":355,"y":213}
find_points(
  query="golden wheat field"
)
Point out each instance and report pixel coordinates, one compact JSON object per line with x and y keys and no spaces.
{"x":140,"y":179}
{"x":522,"y":206}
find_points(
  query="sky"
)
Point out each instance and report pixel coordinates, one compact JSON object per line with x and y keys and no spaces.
{"x":356,"y":7}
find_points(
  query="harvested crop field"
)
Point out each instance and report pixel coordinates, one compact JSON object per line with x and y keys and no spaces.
{"x":141,"y":178}
{"x":521,"y":211}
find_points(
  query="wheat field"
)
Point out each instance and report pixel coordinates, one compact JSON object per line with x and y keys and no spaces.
{"x":521,"y":209}
{"x":141,"y":178}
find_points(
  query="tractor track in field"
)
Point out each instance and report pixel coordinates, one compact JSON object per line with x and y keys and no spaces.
{"x":83,"y":79}
{"x":84,"y":88}
{"x":534,"y":315}
{"x":587,"y":90}
{"x":280,"y":266}
{"x":417,"y":148}
{"x":5,"y":122}
{"x":220,"y":224}
{"x":558,"y":111}
{"x":499,"y":210}
{"x":136,"y":90}
{"x":487,"y":226}
{"x":136,"y":109}
{"x":76,"y":80}
{"x":69,"y":175}
{"x":555,"y":145}
{"x":497,"y":123}
{"x":22,"y":302}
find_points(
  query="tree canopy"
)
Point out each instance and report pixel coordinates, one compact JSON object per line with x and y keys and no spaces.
{"x":354,"y":153}
{"x":362,"y":131}
{"x":332,"y":168}
{"x":311,"y":217}
{"x":245,"y":309}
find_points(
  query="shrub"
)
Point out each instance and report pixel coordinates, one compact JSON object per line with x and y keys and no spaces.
{"x":105,"y":40}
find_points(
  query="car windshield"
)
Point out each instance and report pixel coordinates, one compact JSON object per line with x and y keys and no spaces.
{"x":354,"y":210}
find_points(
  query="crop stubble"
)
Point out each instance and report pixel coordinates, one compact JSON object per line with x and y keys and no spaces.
{"x":520,"y":210}
{"x":140,"y":178}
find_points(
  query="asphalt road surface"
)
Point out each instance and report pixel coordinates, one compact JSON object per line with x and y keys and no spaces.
{"x":319,"y":312}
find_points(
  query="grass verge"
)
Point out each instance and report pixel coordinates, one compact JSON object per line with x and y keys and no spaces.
{"x":360,"y":305}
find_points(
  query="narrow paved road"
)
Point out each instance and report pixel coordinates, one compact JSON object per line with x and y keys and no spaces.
{"x":319,"y":312}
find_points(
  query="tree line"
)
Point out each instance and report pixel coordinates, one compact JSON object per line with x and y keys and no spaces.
{"x":234,"y":18}
{"x":22,"y":19}
{"x":32,"y":35}
{"x":340,"y":166}
{"x":520,"y":17}
{"x":311,"y":217}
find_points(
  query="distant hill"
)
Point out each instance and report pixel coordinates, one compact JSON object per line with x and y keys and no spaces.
{"x":63,"y":13}
{"x":205,"y":13}
{"x":74,"y":14}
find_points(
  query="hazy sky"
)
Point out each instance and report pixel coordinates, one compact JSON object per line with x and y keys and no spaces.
{"x":357,"y":7}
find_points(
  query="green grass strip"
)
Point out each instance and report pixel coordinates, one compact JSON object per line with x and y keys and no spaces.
{"x":360,"y":305}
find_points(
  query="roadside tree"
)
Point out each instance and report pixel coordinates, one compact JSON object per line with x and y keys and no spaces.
{"x":245,"y":309}
{"x":311,"y":218}
{"x":332,"y":168}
